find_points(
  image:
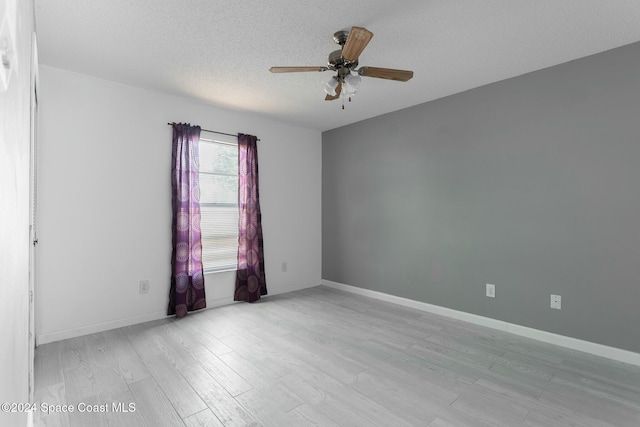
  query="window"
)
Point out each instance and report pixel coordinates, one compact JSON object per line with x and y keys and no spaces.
{"x":219,"y":201}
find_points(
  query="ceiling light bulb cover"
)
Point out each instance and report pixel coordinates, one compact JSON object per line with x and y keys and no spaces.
{"x":353,"y":80}
{"x":330,"y":86}
{"x":352,"y":83}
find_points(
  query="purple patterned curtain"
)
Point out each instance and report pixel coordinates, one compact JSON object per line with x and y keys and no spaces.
{"x":187,"y":276}
{"x":250,"y":278}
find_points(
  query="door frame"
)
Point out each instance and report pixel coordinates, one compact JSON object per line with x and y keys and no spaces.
{"x":33,"y":203}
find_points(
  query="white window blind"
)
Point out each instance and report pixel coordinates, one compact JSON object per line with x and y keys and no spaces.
{"x":219,"y":201}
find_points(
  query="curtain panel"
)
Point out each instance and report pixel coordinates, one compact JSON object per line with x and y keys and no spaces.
{"x":250,"y":277}
{"x":187,"y":276}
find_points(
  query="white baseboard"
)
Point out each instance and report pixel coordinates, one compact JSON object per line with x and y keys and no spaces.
{"x":276,"y":290}
{"x":97,"y":327}
{"x":536,"y":334}
{"x":120,"y":323}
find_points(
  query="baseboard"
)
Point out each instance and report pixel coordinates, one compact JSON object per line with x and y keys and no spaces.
{"x":601,"y":350}
{"x":97,"y":327}
{"x":120,"y":323}
{"x":276,"y":290}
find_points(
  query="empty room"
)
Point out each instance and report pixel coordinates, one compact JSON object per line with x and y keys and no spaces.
{"x":223,"y":213}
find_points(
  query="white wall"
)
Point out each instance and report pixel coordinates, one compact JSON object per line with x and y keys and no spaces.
{"x":14,"y":221}
{"x":105,"y":202}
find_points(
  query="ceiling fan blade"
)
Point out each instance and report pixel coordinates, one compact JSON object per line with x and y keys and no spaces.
{"x":356,"y":42}
{"x":386,"y":73}
{"x":337,"y":95}
{"x":296,"y":69}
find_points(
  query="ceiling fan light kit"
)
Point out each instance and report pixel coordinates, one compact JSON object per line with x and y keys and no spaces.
{"x":344,"y":62}
{"x":352,"y":83}
{"x":331,"y":85}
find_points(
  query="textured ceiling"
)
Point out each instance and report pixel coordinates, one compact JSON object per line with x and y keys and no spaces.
{"x":220,"y":51}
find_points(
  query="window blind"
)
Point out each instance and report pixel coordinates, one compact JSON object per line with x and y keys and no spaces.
{"x":219,"y":201}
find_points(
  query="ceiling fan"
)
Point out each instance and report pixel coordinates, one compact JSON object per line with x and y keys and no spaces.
{"x":344,"y":62}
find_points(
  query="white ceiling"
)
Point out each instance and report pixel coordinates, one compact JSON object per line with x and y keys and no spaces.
{"x":220,"y":51}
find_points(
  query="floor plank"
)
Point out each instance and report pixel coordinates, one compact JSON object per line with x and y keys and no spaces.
{"x":204,"y":418}
{"x":89,"y":412}
{"x":123,"y":412}
{"x":129,"y":364}
{"x":47,"y":365}
{"x":217,"y":398}
{"x":323,"y":357}
{"x":154,"y":405}
{"x":51,"y":396}
{"x":175,"y":387}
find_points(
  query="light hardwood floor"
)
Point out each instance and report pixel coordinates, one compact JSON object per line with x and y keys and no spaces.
{"x":326,"y":357}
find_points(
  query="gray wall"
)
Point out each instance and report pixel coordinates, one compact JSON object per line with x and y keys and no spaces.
{"x":532,"y":184}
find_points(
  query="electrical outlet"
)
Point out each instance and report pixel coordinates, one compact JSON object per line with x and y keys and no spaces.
{"x":144,"y":286}
{"x":556,"y":302}
{"x":491,"y":290}
{"x":284,"y":267}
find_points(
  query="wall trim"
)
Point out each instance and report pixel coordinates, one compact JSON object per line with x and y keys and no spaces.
{"x":97,"y":327}
{"x":601,"y":350}
{"x":276,"y":290}
{"x":149,"y":317}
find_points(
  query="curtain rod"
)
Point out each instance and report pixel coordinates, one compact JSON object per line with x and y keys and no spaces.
{"x":214,"y":131}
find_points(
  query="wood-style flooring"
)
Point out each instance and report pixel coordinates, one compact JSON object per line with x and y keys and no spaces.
{"x":329,"y":358}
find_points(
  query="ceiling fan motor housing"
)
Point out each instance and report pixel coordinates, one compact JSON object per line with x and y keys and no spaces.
{"x":337,"y":62}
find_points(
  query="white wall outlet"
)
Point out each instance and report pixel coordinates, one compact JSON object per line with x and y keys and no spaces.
{"x":144,"y":286}
{"x":556,"y":302}
{"x":284,"y":267}
{"x":491,"y":290}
